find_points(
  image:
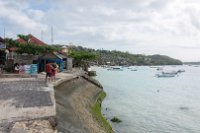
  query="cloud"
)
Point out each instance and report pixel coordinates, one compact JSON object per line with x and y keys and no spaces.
{"x":137,"y":26}
{"x":19,"y":17}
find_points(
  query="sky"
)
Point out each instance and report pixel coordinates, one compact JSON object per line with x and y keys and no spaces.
{"x":167,"y":27}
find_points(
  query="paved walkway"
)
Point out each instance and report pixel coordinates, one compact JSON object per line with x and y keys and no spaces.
{"x":25,"y":99}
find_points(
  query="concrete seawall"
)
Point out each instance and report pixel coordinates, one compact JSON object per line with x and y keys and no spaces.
{"x":30,"y":105}
{"x":74,"y":98}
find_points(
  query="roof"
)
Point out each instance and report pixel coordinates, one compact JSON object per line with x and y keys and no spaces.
{"x":20,"y":40}
{"x":54,"y":55}
{"x":60,"y":55}
{"x":32,"y":39}
{"x":35,"y":40}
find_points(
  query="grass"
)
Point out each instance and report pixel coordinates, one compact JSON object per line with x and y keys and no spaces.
{"x":96,"y":109}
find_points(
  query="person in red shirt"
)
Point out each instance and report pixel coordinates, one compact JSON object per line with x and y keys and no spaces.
{"x":48,"y":68}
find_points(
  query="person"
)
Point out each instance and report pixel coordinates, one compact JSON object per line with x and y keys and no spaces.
{"x":48,"y":69}
{"x":1,"y":68}
{"x":54,"y":70}
{"x":16,"y":68}
{"x":22,"y":68}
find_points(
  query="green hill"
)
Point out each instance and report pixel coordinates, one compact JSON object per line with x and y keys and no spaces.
{"x":125,"y":58}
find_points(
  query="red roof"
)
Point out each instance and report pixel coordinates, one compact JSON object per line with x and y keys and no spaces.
{"x":35,"y":40}
{"x":32,"y":39}
{"x":20,"y":40}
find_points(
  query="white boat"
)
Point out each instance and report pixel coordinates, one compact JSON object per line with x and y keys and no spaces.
{"x":170,"y":72}
{"x":166,"y":75}
{"x":159,"y":68}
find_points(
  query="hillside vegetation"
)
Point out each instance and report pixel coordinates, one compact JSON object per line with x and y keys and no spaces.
{"x":125,"y":58}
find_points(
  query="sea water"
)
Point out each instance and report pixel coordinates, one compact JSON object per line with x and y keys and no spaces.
{"x":148,"y":104}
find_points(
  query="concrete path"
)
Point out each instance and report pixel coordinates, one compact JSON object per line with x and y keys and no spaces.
{"x":24,"y":99}
{"x":27,"y":104}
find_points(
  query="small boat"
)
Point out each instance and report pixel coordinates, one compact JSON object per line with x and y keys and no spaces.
{"x":115,"y":69}
{"x":166,"y":75}
{"x":133,"y":69}
{"x":170,"y":72}
{"x":180,"y":71}
{"x":154,"y":67}
{"x":159,"y":68}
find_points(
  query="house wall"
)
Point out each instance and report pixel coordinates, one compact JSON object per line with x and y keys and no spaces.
{"x":25,"y":59}
{"x":69,"y":64}
{"x":17,"y":58}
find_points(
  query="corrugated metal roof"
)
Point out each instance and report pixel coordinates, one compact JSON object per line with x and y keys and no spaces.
{"x":60,"y":55}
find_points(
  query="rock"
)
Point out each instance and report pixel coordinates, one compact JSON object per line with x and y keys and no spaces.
{"x":116,"y":120}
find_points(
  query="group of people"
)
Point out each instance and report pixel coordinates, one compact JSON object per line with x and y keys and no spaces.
{"x":51,"y":70}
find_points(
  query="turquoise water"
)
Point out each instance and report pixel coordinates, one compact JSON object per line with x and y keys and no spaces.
{"x":147,"y":104}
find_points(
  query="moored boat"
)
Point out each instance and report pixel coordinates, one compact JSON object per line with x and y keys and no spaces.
{"x":115,"y":69}
{"x":166,"y":75}
{"x":133,"y":69}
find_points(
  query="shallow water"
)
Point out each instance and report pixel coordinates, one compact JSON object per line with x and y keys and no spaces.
{"x":147,"y":104}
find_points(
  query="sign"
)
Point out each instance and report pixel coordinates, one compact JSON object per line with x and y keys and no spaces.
{"x":27,"y":69}
{"x":34,"y":69}
{"x":2,"y":46}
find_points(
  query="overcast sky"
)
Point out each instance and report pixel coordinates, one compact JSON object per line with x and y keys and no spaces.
{"x":169,"y":27}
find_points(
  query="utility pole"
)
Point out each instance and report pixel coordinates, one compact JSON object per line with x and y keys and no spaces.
{"x":42,"y":35}
{"x":51,"y":34}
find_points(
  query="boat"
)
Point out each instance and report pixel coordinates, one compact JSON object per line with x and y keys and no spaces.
{"x":133,"y":69}
{"x":181,"y":70}
{"x":166,"y":75}
{"x":115,"y":69}
{"x":159,"y":68}
{"x":170,"y":72}
{"x":154,"y":67}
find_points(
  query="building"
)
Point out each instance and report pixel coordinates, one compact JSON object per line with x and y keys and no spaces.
{"x":31,"y":39}
{"x":63,"y":61}
{"x":13,"y":57}
{"x":3,"y":51}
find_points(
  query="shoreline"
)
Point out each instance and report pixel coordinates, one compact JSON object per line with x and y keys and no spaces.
{"x":76,"y":99}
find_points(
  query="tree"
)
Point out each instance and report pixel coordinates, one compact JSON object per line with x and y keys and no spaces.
{"x":29,"y":48}
{"x":24,"y":37}
{"x":82,"y":59}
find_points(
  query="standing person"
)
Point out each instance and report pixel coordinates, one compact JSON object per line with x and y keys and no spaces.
{"x":54,"y":70}
{"x":1,"y":68}
{"x":48,"y":69}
